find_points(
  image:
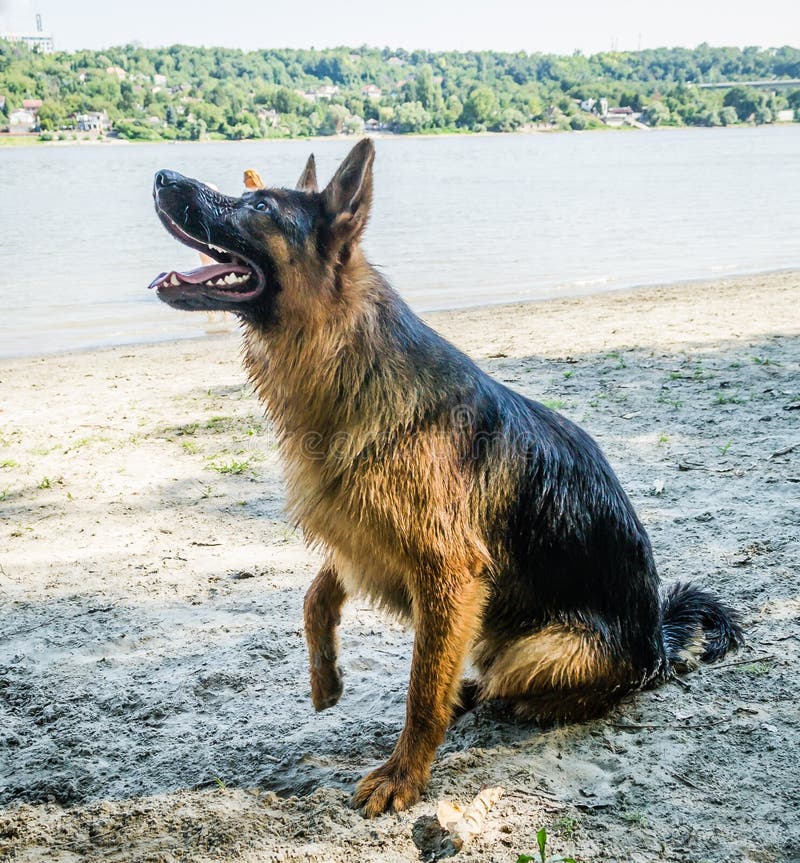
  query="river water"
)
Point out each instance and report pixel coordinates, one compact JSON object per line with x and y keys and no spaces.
{"x":457,"y":221}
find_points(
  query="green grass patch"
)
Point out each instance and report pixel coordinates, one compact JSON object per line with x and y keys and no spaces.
{"x":664,"y":398}
{"x":633,"y":817}
{"x":567,"y":826}
{"x":219,"y":424}
{"x":186,"y":429}
{"x":755,"y":669}
{"x":19,"y":141}
{"x":232,"y":467}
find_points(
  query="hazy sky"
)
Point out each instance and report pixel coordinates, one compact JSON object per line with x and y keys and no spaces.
{"x":558,"y":26}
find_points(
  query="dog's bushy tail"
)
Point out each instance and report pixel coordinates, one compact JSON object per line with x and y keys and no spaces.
{"x":697,"y":627}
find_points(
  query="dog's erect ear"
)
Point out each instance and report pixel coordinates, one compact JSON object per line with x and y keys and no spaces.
{"x":348,"y":196}
{"x":308,"y":179}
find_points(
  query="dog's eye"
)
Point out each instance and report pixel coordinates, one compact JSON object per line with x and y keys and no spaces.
{"x":261,"y":206}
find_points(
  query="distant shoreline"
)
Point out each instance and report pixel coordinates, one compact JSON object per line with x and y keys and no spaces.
{"x":32,"y":140}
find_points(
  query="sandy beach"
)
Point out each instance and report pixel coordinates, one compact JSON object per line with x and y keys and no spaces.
{"x":154,"y":703}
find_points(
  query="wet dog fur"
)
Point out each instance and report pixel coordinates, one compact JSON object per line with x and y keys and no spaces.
{"x":490,"y":523}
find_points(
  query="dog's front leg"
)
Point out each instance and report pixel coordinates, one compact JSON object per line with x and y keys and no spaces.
{"x":446,"y":615}
{"x":321,"y":612}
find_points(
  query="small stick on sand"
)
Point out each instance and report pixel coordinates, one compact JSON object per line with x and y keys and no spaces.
{"x":785,"y":450}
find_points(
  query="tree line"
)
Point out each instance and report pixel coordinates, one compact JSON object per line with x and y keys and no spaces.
{"x":184,"y":92}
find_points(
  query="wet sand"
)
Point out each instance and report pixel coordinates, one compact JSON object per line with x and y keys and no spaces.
{"x":153,"y":691}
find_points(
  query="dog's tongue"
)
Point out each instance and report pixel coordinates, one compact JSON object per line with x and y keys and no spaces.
{"x":202,"y":275}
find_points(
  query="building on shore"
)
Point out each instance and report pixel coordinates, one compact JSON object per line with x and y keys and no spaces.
{"x":93,"y":121}
{"x":41,"y":42}
{"x":21,"y":121}
{"x":26,"y":118}
{"x":622,"y":116}
{"x":323,"y":93}
{"x":371,"y":91}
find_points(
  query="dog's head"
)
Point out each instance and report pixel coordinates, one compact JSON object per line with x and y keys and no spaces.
{"x":272,"y":247}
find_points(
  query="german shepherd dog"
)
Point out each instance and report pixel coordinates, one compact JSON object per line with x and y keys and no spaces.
{"x":493,"y":525}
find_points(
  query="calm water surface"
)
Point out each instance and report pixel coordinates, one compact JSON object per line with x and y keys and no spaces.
{"x":456,"y":221}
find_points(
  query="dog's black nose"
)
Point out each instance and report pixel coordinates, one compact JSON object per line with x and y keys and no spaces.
{"x":167,"y":178}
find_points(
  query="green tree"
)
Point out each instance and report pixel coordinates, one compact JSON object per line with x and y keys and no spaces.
{"x":452,"y":110}
{"x":656,"y":114}
{"x":743,"y":100}
{"x":764,"y":115}
{"x":510,"y":119}
{"x":52,"y":116}
{"x":353,"y":125}
{"x":479,"y":108}
{"x":333,"y":120}
{"x":577,"y":122}
{"x":411,"y":117}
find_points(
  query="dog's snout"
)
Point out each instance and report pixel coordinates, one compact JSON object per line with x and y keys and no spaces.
{"x":167,"y":178}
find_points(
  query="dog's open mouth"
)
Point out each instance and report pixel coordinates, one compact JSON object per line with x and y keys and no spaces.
{"x":233,"y":279}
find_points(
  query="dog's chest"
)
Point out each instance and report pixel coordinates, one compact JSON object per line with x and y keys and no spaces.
{"x":334,"y":512}
{"x":378,"y":581}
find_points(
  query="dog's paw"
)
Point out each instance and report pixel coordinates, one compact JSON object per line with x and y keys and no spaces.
{"x":326,"y":684}
{"x":386,"y":788}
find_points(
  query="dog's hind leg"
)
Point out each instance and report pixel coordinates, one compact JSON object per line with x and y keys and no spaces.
{"x":560,"y":672}
{"x":321,"y":612}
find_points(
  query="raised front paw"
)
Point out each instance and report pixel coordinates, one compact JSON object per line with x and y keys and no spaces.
{"x":326,"y":683}
{"x":388,"y":787}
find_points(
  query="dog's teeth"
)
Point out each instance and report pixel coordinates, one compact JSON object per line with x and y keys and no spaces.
{"x":174,"y":281}
{"x":217,"y":249}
